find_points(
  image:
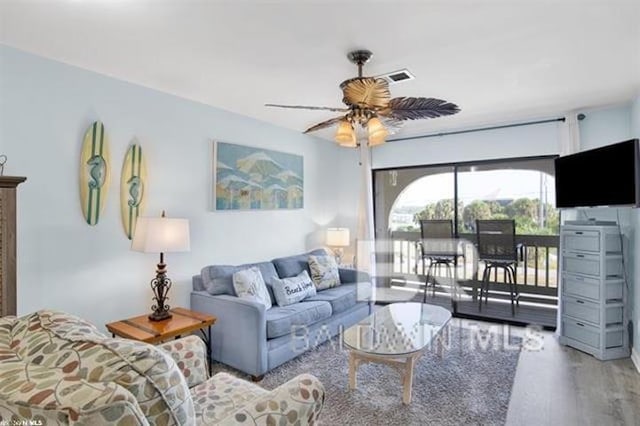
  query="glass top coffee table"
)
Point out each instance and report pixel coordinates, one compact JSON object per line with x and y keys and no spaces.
{"x":396,"y":335}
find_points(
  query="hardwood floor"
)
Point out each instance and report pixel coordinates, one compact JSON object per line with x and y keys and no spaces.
{"x":563,"y":386}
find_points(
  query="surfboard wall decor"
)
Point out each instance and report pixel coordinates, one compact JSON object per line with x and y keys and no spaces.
{"x":95,"y":175}
{"x":132,"y":188}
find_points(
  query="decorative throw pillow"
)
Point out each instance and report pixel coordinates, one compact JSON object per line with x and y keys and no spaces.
{"x":249,"y":284}
{"x":324,"y":272}
{"x":292,"y":290}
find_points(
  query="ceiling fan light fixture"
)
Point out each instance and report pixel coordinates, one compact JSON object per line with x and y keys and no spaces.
{"x":367,"y":99}
{"x":345,"y":135}
{"x":377,"y":132}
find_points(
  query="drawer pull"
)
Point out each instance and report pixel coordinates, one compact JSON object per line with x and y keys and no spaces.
{"x":580,"y":302}
{"x":578,"y":232}
{"x":579,"y":255}
{"x":580,"y":324}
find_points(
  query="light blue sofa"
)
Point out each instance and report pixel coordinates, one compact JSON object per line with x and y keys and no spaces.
{"x":254,"y":340}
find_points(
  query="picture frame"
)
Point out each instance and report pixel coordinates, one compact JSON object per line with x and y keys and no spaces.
{"x":252,"y":178}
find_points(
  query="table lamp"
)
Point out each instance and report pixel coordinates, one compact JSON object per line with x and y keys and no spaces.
{"x":337,"y":238}
{"x":161,"y":235}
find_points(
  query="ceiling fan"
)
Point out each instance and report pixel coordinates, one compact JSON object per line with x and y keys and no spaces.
{"x":369,"y":105}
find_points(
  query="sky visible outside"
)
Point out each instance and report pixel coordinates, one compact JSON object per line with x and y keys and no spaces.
{"x":480,"y":185}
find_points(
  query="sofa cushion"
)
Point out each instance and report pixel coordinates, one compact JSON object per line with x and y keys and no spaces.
{"x":281,"y":320}
{"x":324,"y":271}
{"x":292,"y":265}
{"x":293,"y":290}
{"x":249,"y":284}
{"x":341,"y":298}
{"x":218,"y":279}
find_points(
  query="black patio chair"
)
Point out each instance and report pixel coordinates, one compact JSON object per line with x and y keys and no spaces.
{"x":439,"y":248}
{"x":496,"y":244}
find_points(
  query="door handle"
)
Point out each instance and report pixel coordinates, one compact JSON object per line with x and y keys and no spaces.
{"x":580,"y":324}
{"x":580,"y":302}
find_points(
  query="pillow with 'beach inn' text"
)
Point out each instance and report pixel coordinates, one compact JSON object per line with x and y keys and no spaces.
{"x":292,"y":290}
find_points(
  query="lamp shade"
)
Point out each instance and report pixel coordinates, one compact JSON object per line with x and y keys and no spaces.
{"x":161,"y":235}
{"x":338,"y":237}
{"x":345,"y":135}
{"x":377,"y":132}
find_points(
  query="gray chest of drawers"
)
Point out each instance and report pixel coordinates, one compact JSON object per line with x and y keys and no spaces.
{"x":593,"y":300}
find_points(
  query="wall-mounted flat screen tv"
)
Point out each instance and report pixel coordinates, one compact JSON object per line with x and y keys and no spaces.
{"x":606,"y":176}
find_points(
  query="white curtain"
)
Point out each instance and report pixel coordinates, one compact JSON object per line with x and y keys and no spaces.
{"x":365,"y":250}
{"x":569,"y":138}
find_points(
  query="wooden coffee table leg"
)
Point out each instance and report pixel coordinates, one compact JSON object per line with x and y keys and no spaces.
{"x":440,"y":346}
{"x":408,"y":380}
{"x":353,"y":368}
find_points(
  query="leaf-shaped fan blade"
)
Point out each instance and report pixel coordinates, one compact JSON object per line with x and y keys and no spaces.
{"x":324,"y":124}
{"x":406,"y":108}
{"x":367,"y":92}
{"x":316,"y":108}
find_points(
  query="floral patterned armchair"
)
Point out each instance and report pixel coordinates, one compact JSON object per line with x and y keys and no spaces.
{"x":57,"y":369}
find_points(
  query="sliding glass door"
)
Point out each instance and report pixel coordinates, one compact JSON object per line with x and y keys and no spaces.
{"x":402,"y":199}
{"x":522,"y":190}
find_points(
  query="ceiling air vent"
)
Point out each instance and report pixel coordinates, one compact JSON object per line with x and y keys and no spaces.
{"x":398,"y":76}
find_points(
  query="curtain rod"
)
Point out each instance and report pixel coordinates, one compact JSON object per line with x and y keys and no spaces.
{"x":481,"y":129}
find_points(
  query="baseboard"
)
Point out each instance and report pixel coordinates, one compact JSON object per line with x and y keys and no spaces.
{"x":635,"y":357}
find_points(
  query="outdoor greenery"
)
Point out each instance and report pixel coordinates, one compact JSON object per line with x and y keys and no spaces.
{"x":525,"y":211}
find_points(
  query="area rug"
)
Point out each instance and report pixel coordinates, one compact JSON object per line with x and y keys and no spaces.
{"x":470,"y":385}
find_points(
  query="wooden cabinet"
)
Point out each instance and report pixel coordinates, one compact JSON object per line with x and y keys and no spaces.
{"x":593,"y":300}
{"x":8,"y":210}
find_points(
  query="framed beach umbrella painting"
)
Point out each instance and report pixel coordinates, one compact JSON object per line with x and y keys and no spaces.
{"x":250,"y":178}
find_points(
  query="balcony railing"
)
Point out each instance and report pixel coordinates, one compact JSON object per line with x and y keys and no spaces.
{"x":537,"y":272}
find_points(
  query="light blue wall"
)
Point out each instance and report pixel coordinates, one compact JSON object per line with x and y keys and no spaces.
{"x":635,"y":117}
{"x":510,"y":142}
{"x":605,"y":126}
{"x":45,"y":108}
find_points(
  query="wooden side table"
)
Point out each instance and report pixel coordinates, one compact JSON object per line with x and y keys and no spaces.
{"x":183,"y":322}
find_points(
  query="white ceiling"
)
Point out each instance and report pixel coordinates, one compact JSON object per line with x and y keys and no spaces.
{"x":499,"y":60}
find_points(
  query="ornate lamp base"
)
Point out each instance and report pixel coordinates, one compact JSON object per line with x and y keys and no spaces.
{"x":160,"y":315}
{"x":160,"y":286}
{"x":338,"y":252}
